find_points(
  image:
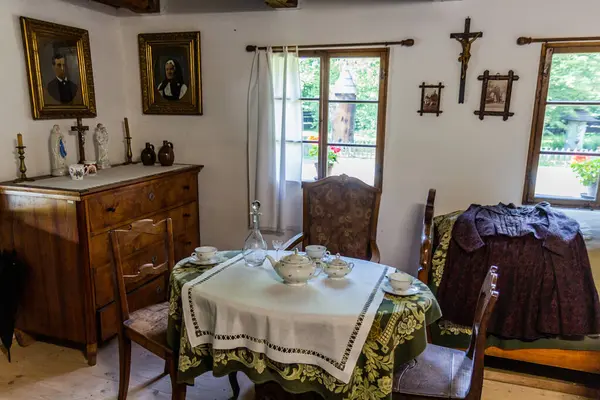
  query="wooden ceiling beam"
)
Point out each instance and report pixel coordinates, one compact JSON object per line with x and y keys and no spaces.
{"x":138,"y":6}
{"x":282,"y":3}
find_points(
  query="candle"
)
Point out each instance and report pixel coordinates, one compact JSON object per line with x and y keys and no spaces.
{"x":127,"y":128}
{"x":20,"y":140}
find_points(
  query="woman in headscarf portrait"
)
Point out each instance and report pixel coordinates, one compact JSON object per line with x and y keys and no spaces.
{"x":172,"y":87}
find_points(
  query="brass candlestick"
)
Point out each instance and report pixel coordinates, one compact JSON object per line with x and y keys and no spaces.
{"x":22,"y":168}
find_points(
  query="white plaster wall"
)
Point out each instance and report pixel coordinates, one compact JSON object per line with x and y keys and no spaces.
{"x":15,"y":109}
{"x":465,"y":159}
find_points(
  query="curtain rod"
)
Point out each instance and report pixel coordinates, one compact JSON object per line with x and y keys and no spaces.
{"x":406,"y":42}
{"x":522,"y":41}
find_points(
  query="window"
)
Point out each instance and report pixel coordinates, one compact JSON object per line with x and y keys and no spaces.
{"x":343,"y":113}
{"x":564,"y":151}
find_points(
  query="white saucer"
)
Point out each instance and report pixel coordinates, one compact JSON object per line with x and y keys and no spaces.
{"x":211,"y":261}
{"x":408,"y":292}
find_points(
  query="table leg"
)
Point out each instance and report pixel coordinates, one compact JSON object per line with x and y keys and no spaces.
{"x":235,"y":386}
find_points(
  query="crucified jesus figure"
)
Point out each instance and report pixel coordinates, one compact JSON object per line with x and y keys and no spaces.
{"x":465,"y":56}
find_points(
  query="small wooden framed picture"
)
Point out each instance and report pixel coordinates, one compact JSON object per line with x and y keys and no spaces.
{"x":59,"y":70}
{"x":170,"y":71}
{"x":431,"y":99}
{"x":496,"y":93}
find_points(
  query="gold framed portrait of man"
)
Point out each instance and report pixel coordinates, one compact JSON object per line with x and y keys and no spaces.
{"x":170,"y":71}
{"x":59,"y":70}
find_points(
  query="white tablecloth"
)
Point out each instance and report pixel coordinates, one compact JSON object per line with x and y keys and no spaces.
{"x":324,"y":323}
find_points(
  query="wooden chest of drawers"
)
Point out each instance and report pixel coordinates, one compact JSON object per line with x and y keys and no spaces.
{"x":60,"y":229}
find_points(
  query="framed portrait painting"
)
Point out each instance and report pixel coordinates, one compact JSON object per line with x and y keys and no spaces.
{"x":59,"y":70}
{"x":170,"y":71}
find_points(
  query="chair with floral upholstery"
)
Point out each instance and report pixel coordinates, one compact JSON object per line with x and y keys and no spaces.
{"x":340,"y":213}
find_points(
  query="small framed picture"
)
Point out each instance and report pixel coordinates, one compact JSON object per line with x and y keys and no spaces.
{"x":431,"y":99}
{"x":59,"y":70}
{"x":496,"y":94}
{"x":170,"y":70}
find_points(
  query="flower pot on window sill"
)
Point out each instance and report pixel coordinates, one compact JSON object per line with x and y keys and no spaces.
{"x":591,"y":191}
{"x":329,"y":169}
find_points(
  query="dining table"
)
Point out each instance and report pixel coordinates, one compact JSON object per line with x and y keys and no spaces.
{"x":397,"y":335}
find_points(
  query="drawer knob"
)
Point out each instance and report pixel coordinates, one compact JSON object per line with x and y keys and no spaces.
{"x":187,"y":215}
{"x":188,"y":243}
{"x":111,"y":209}
{"x":186,"y":187}
{"x":159,"y":290}
{"x":154,"y":259}
{"x":151,"y":196}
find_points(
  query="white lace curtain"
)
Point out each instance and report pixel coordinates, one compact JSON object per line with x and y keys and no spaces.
{"x":274,"y":139}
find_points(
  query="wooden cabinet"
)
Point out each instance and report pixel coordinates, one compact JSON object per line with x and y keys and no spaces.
{"x":60,"y":229}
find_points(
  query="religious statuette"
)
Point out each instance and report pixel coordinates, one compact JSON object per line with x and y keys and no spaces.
{"x":58,"y":152}
{"x":255,"y":247}
{"x":102,"y":140}
{"x":22,"y":168}
{"x":148,"y":155}
{"x":81,"y":130}
{"x":166,"y":156}
{"x":128,"y":152}
{"x":465,"y":39}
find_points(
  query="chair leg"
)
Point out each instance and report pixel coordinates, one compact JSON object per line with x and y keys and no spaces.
{"x":235,"y":386}
{"x":167,"y":371}
{"x":178,"y":390}
{"x":124,"y":365}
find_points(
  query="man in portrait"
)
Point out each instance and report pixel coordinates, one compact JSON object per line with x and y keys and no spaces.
{"x":61,"y":88}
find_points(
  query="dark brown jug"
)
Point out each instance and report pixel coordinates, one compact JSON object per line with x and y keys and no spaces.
{"x":148,"y":155}
{"x":166,"y":156}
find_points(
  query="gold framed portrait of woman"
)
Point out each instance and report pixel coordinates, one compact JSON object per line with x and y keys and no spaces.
{"x":170,"y":71}
{"x":59,"y":70}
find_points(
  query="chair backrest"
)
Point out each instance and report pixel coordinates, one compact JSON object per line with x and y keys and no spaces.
{"x":143,"y":242}
{"x":476,"y":352}
{"x":427,"y":238}
{"x":341,"y":212}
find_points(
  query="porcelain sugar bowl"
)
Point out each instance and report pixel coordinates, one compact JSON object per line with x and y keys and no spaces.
{"x":337,"y":268}
{"x":295,"y":269}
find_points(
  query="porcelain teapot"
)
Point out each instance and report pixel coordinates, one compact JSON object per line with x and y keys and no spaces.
{"x":295,"y":269}
{"x":337,"y":268}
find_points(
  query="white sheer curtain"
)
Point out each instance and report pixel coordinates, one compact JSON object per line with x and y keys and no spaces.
{"x":274,"y":135}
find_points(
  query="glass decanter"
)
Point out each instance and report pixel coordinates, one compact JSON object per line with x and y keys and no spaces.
{"x":255,"y":247}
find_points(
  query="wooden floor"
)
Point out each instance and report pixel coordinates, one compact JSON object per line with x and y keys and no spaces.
{"x":48,"y":372}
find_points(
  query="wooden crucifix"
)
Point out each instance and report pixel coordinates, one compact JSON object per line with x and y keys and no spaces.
{"x":81,"y":130}
{"x":466,"y":39}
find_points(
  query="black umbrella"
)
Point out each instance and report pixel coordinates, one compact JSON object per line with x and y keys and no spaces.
{"x":12,"y":280}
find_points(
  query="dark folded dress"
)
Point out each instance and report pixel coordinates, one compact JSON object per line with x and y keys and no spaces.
{"x":546,"y":285}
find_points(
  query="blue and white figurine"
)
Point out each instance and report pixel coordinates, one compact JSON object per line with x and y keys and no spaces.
{"x":58,"y":152}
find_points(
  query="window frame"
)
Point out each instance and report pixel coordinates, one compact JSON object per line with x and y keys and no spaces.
{"x":537,"y":126}
{"x":325,"y":57}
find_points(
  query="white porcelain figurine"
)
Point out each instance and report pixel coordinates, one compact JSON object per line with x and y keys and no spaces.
{"x":58,"y":152}
{"x":101,"y":136}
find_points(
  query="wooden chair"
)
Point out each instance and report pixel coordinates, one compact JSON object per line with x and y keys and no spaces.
{"x":427,"y":239}
{"x":340,"y":213}
{"x":440,"y":372}
{"x":147,"y":326}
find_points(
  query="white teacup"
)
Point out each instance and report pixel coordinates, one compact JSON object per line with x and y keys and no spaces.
{"x":316,"y":252}
{"x":400,"y":281}
{"x":77,"y":171}
{"x":205,"y":253}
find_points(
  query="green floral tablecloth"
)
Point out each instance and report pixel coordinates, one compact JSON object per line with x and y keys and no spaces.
{"x":398,"y":335}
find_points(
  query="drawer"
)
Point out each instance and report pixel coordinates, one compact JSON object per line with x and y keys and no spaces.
{"x":151,"y":293}
{"x":113,"y":208}
{"x":184,"y":245}
{"x":185,"y":219}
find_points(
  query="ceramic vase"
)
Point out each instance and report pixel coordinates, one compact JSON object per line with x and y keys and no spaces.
{"x":149,"y":155}
{"x":166,"y":156}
